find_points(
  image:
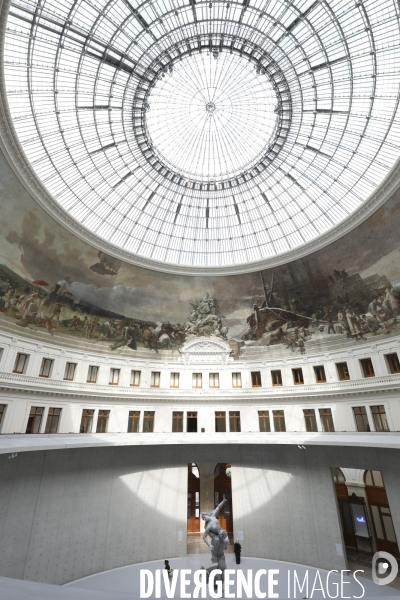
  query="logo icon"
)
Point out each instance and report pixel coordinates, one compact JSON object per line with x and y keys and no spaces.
{"x":384,"y":568}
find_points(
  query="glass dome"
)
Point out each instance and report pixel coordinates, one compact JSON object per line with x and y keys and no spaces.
{"x":206,"y":134}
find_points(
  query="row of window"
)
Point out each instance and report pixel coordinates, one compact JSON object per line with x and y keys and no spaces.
{"x":197,"y":378}
{"x":222,"y":420}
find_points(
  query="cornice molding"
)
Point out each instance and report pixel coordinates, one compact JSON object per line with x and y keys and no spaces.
{"x":73,"y":391}
{"x":16,"y":157}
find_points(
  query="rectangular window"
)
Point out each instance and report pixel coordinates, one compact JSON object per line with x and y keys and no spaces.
{"x":379,"y":417}
{"x":263,"y":420}
{"x":197,"y":380}
{"x":297,"y":376}
{"x":155,"y":379}
{"x":69,"y":373}
{"x":148,"y":421}
{"x":367,"y":367}
{"x":92,"y":374}
{"x":174,"y":380}
{"x":279,"y":420}
{"x":220,"y":421}
{"x":53,"y":420}
{"x":234,"y":421}
{"x":361,"y":418}
{"x":214,"y":380}
{"x":310,"y":419}
{"x":133,"y":421}
{"x":192,"y":422}
{"x":326,"y":419}
{"x":114,"y":376}
{"x":276,"y":377}
{"x":177,"y":422}
{"x":46,"y":366}
{"x":35,"y":419}
{"x":393,"y":363}
{"x":135,"y":378}
{"x":343,"y":372}
{"x":2,"y":413}
{"x":236,"y":380}
{"x":102,"y":421}
{"x":255,"y":379}
{"x":320,"y":376}
{"x":21,"y":362}
{"x":87,"y":420}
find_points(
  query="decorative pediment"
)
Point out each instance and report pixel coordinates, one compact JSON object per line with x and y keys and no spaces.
{"x":205,"y":350}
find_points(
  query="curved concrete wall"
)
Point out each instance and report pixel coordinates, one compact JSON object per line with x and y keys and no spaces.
{"x":70,"y":513}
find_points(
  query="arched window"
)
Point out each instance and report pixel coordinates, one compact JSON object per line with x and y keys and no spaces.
{"x":374,"y":478}
{"x":338,"y":476}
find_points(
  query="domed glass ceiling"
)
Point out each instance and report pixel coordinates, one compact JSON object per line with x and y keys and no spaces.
{"x":206,"y":134}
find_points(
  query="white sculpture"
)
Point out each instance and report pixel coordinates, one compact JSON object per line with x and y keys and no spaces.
{"x":219,"y":540}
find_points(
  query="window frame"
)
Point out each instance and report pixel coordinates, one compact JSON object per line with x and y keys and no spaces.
{"x":266,"y":419}
{"x":310,"y":420}
{"x":214,"y":376}
{"x":192,"y":415}
{"x":319,"y":372}
{"x":361,"y":416}
{"x":17,"y":360}
{"x":367,"y":367}
{"x":298,"y":371}
{"x":174,"y":380}
{"x":67,"y":369}
{"x":177,"y":421}
{"x":278,"y":417}
{"x":87,"y":418}
{"x":220,"y":417}
{"x":133,"y":378}
{"x":256,"y":376}
{"x":103,"y":417}
{"x":155,"y":379}
{"x":238,"y":376}
{"x":133,"y":418}
{"x":197,"y":377}
{"x":326,"y":418}
{"x":276,"y":374}
{"x":113,"y":371}
{"x":3,"y":410}
{"x":341,"y":367}
{"x":234,"y":421}
{"x":90,"y":373}
{"x":50,"y":417}
{"x":392,"y":360}
{"x":36,"y":415}
{"x":148,"y":418}
{"x":378,"y":413}
{"x":46,"y":366}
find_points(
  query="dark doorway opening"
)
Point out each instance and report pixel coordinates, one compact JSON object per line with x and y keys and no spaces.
{"x":192,"y":422}
{"x":193,"y":499}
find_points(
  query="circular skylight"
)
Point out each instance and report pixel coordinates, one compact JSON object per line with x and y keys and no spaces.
{"x":212,"y":117}
{"x":205,"y":134}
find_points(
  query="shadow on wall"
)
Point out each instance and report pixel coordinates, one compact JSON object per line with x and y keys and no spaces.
{"x":71,"y":513}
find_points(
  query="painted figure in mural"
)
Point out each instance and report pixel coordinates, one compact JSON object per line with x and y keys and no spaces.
{"x":205,"y":319}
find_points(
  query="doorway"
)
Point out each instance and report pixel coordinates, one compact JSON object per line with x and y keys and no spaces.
{"x":381,"y":517}
{"x":193,"y":499}
{"x":223,"y":487}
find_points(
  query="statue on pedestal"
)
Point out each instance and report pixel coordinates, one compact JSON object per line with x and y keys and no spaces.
{"x":219,"y":540}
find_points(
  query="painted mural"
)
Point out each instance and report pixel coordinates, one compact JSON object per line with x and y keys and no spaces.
{"x":53,"y":282}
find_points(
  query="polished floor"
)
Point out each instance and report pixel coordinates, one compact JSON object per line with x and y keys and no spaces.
{"x":126,"y":579}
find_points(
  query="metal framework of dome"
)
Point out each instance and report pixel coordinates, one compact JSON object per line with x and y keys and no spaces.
{"x":206,"y":133}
